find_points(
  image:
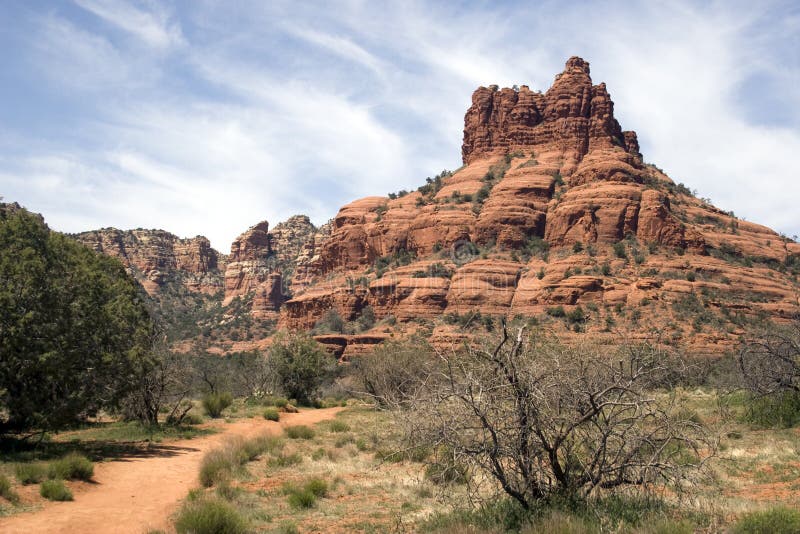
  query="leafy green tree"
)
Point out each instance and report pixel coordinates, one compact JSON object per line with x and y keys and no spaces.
{"x":74,"y":326}
{"x":301,"y":365}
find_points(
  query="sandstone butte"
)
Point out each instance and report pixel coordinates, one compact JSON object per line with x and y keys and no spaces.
{"x":554,"y":216}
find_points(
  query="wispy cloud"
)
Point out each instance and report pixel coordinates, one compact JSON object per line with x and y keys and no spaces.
{"x":151,"y":26}
{"x":340,"y":46}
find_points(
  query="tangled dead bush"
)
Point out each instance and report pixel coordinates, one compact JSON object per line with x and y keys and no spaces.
{"x":535,"y":418}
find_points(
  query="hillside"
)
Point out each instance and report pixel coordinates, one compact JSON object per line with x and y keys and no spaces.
{"x":554,"y":216}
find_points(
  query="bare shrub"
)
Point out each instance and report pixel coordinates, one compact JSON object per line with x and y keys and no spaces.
{"x":162,"y":386}
{"x":769,"y":363}
{"x":536,"y":418}
{"x":770,"y":360}
{"x":391,"y":374}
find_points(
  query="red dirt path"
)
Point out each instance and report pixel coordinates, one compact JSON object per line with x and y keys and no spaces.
{"x":135,"y":495}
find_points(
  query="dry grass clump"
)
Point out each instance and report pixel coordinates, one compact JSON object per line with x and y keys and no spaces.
{"x":210,"y":516}
{"x":73,"y":466}
{"x":55,"y":490}
{"x":30,"y":473}
{"x":219,"y":465}
{"x":272,"y":414}
{"x":300,"y":432}
{"x":306,"y":495}
{"x":6,"y":491}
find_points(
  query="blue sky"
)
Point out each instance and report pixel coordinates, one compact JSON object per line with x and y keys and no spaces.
{"x":207,"y":117}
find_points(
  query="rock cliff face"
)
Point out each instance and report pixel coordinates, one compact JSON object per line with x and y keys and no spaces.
{"x":153,"y":256}
{"x":260,"y":259}
{"x":174,"y":271}
{"x":555,"y":217}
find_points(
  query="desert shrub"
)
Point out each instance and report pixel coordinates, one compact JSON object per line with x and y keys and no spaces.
{"x":210,"y":516}
{"x":534,"y":247}
{"x":255,"y":447}
{"x":769,"y":363}
{"x":215,"y":403}
{"x":774,"y":521}
{"x":6,"y":491}
{"x":228,"y":492}
{"x":619,"y":250}
{"x":300,"y":432}
{"x":55,"y":490}
{"x":192,"y":418}
{"x":301,"y":499}
{"x":306,"y":496}
{"x":330,"y":323}
{"x":557,"y":420}
{"x":576,"y":316}
{"x":73,"y":466}
{"x":215,"y":467}
{"x":218,"y":465}
{"x":30,"y":473}
{"x":446,"y":472}
{"x":278,"y":402}
{"x":339,"y":426}
{"x":780,"y":410}
{"x":317,"y":486}
{"x":558,"y":522}
{"x":388,"y":373}
{"x":500,"y":515}
{"x":301,"y":365}
{"x":285,"y":460}
{"x":272,"y":414}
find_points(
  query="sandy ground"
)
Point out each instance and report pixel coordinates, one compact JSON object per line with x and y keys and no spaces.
{"x":134,"y":495}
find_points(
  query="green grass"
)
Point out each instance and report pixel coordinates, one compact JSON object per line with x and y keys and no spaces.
{"x":774,"y":521}
{"x":210,"y":516}
{"x":55,"y":490}
{"x":30,"y":473}
{"x":278,"y":402}
{"x":272,"y":414}
{"x":777,"y":411}
{"x":73,"y":466}
{"x":300,"y":432}
{"x":129,"y":431}
{"x":6,"y":491}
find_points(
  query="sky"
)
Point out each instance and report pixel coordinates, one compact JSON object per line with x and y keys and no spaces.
{"x":204,"y":118}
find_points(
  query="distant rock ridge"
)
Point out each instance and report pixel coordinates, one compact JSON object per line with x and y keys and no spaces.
{"x":156,"y":255}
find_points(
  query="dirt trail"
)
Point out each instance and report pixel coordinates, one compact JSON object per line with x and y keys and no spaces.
{"x":135,"y":495}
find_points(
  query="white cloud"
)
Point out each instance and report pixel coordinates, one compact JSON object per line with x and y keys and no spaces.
{"x":341,"y":46}
{"x":151,"y":27}
{"x":77,"y":59}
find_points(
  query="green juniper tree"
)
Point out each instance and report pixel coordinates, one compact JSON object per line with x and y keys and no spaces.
{"x":74,"y":326}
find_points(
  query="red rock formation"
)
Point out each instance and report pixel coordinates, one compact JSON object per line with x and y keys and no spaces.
{"x":573,"y":115}
{"x":248,"y":263}
{"x":156,"y":256}
{"x":551,"y":177}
